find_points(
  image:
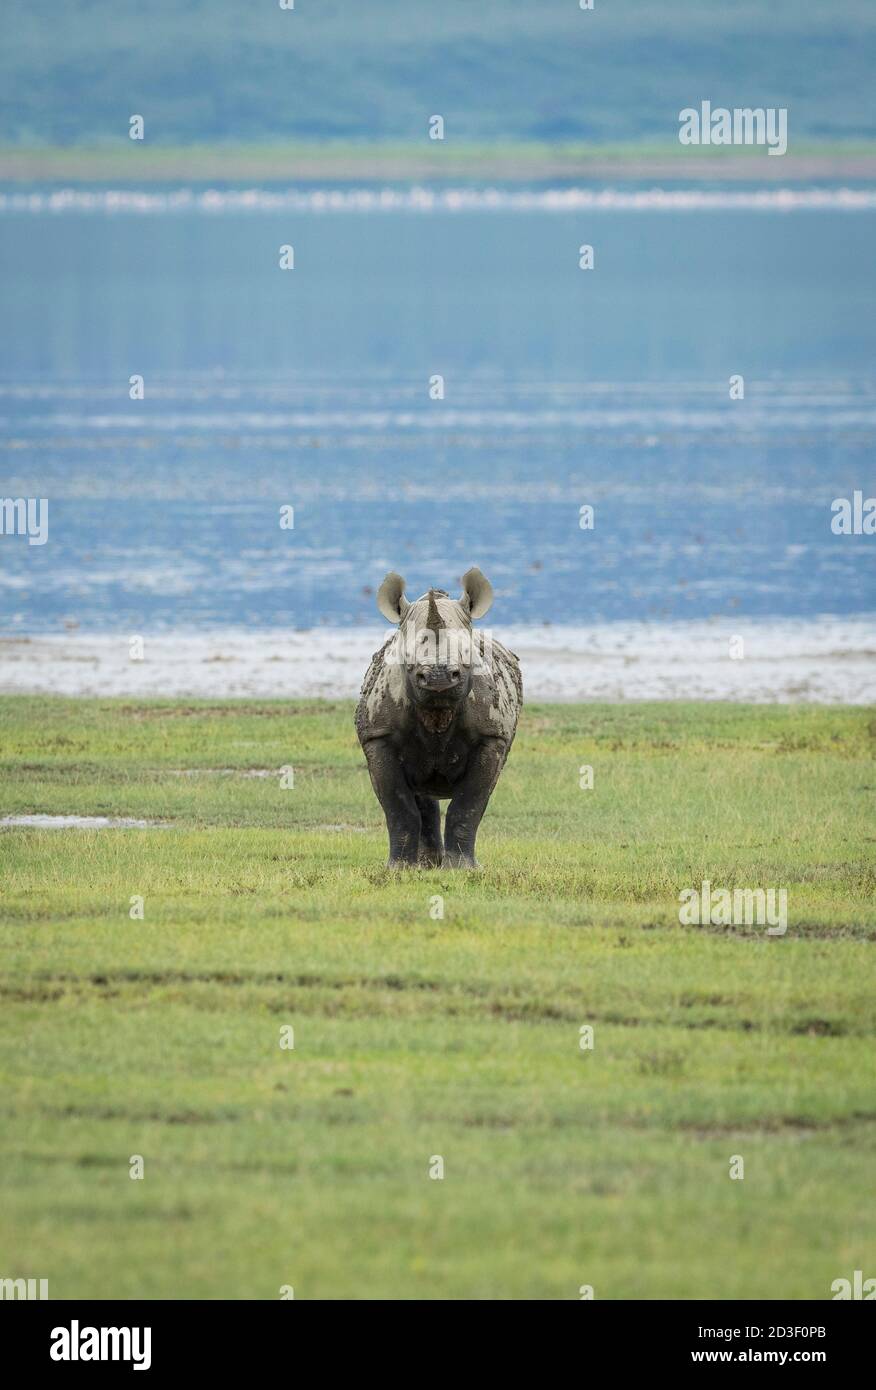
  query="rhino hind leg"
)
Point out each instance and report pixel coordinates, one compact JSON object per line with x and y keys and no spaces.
{"x":431,"y":843}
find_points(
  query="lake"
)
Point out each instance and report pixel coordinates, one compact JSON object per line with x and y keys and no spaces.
{"x":309,"y":388}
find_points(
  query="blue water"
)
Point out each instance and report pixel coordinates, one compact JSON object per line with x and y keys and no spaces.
{"x":309,"y":388}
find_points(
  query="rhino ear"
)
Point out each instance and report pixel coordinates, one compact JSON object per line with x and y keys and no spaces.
{"x":391,"y":598}
{"x":477,"y":593}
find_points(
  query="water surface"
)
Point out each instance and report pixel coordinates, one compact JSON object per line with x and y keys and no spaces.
{"x":310,"y":388}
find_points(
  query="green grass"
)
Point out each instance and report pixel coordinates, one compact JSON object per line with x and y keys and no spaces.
{"x":415,"y":1037}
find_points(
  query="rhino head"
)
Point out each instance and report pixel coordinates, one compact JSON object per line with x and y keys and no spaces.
{"x":435,"y":644}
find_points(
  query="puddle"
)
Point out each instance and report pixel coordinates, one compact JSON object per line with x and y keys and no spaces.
{"x":79,"y":823}
{"x":220,"y":771}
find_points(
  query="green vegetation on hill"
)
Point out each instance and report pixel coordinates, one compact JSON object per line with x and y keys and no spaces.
{"x":208,"y":71}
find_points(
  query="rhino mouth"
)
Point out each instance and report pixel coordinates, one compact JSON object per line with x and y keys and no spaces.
{"x":436,"y":718}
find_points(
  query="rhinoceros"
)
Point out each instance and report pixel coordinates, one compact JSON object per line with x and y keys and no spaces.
{"x":436,"y":717}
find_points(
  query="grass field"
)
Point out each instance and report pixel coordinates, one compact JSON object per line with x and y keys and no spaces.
{"x":416,"y":1037}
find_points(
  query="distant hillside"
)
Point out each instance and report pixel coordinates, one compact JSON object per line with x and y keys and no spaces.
{"x":72,"y":71}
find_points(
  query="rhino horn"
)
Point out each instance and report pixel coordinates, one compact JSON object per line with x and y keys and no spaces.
{"x":434,"y":619}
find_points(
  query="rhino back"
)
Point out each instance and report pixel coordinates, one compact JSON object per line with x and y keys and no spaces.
{"x":497,"y":696}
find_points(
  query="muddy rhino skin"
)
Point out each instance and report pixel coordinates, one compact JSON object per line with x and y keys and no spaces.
{"x":434,"y":726}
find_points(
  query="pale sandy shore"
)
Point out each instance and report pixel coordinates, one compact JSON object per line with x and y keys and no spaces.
{"x":331,"y":162}
{"x":828,"y":661}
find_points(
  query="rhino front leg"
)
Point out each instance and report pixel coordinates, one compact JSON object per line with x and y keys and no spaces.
{"x":469,"y":803}
{"x":431,"y":844}
{"x":398,"y":802}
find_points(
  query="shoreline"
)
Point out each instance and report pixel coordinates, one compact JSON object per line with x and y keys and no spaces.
{"x":133,"y":163}
{"x":827,"y":661}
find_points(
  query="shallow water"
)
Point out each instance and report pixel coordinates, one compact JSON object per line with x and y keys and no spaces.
{"x":46,"y":822}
